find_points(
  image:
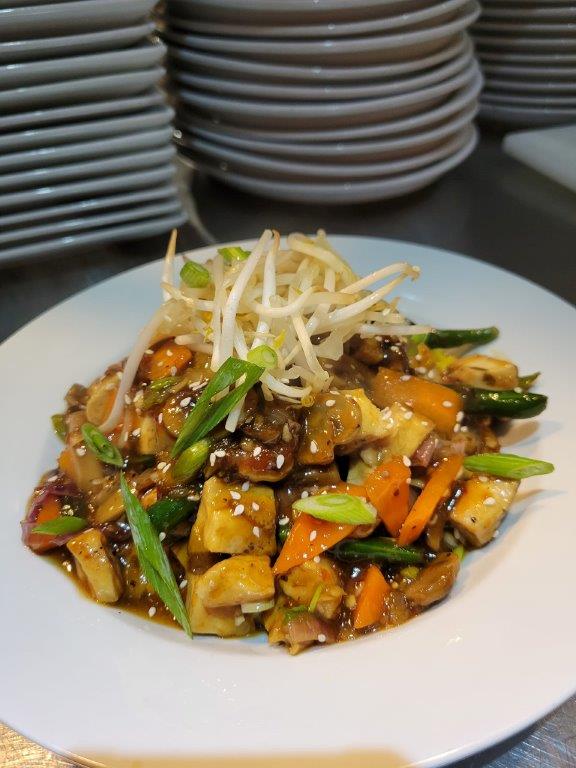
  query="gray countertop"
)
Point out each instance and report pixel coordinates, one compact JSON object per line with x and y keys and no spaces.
{"x":491,"y":208}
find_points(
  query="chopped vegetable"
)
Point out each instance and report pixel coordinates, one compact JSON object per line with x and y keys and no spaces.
{"x":61,"y":525}
{"x":167,"y":513}
{"x":479,"y":510}
{"x":232,"y":253}
{"x":337,"y":508}
{"x":504,"y":403}
{"x":437,"y":486}
{"x":526,"y":381}
{"x":59,"y":426}
{"x":379,"y":550}
{"x":191,"y":461}
{"x":507,"y":465}
{"x":309,"y":537}
{"x":372,"y":598}
{"x":456,"y":338}
{"x":483,"y":372}
{"x":264,"y":356}
{"x":387,"y":489}
{"x":315,"y":598}
{"x":195,"y":275}
{"x":100,"y":446}
{"x":153,"y":560}
{"x":168,"y":359}
{"x":208,"y":413}
{"x":158,"y":391}
{"x":96,"y":566}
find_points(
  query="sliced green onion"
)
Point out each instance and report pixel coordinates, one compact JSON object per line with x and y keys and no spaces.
{"x":167,"y":513}
{"x":233,"y":253}
{"x":59,"y":426}
{"x":507,"y":465}
{"x":157,"y":391}
{"x":101,"y":446}
{"x":152,"y":558}
{"x":61,"y":525}
{"x":460,"y":552}
{"x":208,"y":413}
{"x":292,"y":613}
{"x":258,"y":607}
{"x":195,"y":275}
{"x":191,"y":461}
{"x":525,"y":382}
{"x":315,"y":598}
{"x":264,"y":356}
{"x":410,"y":572}
{"x":337,"y":508}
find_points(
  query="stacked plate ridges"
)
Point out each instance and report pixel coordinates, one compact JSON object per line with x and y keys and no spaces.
{"x":335,"y":102}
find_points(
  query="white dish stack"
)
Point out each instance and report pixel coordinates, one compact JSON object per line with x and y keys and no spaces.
{"x":335,"y":102}
{"x":527,"y":50}
{"x":85,"y":136}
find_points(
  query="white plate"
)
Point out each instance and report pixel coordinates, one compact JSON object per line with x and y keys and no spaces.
{"x":92,"y":109}
{"x":87,"y":42}
{"x":547,"y":59}
{"x":319,"y":92}
{"x":33,"y":72}
{"x":265,"y":71}
{"x":529,"y":73}
{"x":69,"y":17}
{"x":419,"y":18}
{"x":160,"y":700}
{"x":305,"y":114}
{"x":514,"y":27}
{"x":343,"y":192}
{"x":528,"y":100}
{"x":458,"y":101}
{"x":74,"y":241}
{"x":526,"y":117}
{"x":373,"y":49}
{"x":85,"y":131}
{"x":530,"y":12}
{"x":290,"y":170}
{"x":516,"y":86}
{"x":552,"y":44}
{"x":345,"y":151}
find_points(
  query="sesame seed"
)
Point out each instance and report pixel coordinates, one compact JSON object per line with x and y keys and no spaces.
{"x":395,"y":348}
{"x":418,"y":357}
{"x":483,"y":478}
{"x":305,"y":555}
{"x":431,"y":374}
{"x":235,"y":495}
{"x":456,"y":428}
{"x":119,"y":374}
{"x":257,"y":451}
{"x":286,"y":434}
{"x":304,"y":495}
{"x":313,"y":535}
{"x":280,"y":459}
{"x":245,"y":486}
{"x":52,"y":479}
{"x":238,"y":620}
{"x":212,"y":459}
{"x":136,"y":432}
{"x":518,"y":390}
{"x":489,"y":502}
{"x":394,"y":585}
{"x":321,"y":638}
{"x":238,"y":510}
{"x":406,"y":461}
{"x":496,"y":534}
{"x":161,"y":535}
{"x":459,"y":415}
{"x":69,"y":567}
{"x":185,"y":401}
{"x":407,"y":481}
{"x":313,"y":446}
{"x":160,"y":418}
{"x":151,"y":611}
{"x":330,"y":403}
{"x":173,"y":371}
{"x":408,"y":415}
{"x":463,"y":429}
{"x":255,"y":506}
{"x":169,"y":353}
{"x":127,"y":399}
{"x":284,"y":520}
{"x":166,"y":468}
{"x":406,"y":377}
{"x":447,"y":404}
{"x":220,"y":453}
{"x":256,"y":531}
{"x":149,"y":352}
{"x":81,"y":451}
{"x":316,"y":558}
{"x":183,"y":584}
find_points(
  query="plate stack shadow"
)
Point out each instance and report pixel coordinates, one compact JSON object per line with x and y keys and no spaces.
{"x":85,"y":136}
{"x":335,"y":102}
{"x":527,"y":49}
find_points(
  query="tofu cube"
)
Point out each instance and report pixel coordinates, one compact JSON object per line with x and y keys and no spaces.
{"x":237,"y":580}
{"x":479,"y":511}
{"x":224,"y":622}
{"x":95,"y":566}
{"x":373,"y":426}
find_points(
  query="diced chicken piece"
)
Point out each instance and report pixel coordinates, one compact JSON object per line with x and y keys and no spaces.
{"x":333,"y":420}
{"x":233,"y":521}
{"x":101,"y":396}
{"x":302,"y":582}
{"x":374,"y":425}
{"x":96,"y":566}
{"x":407,"y":432}
{"x":480,"y":509}
{"x":298,"y":630}
{"x":237,"y":580}
{"x":224,"y":622}
{"x":484,"y":372}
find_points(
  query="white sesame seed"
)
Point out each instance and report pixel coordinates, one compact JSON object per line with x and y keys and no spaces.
{"x":447,"y":404}
{"x":407,"y":481}
{"x":127,"y":399}
{"x":456,"y":428}
{"x":395,"y":348}
{"x":238,"y":510}
{"x":151,"y":611}
{"x":235,"y":495}
{"x":321,"y":638}
{"x":220,"y":453}
{"x":81,"y":451}
{"x":245,"y":486}
{"x":313,"y":446}
{"x":313,"y":535}
{"x":185,"y":401}
{"x":305,"y":555}
{"x":212,"y":459}
{"x":280,"y":459}
{"x":160,"y":418}
{"x":173,"y":371}
{"x":406,"y":461}
{"x":406,"y":377}
{"x":169,"y":353}
{"x":459,"y":416}
{"x":238,"y":620}
{"x":69,"y":567}
{"x":52,"y":479}
{"x":316,"y":559}
{"x":166,"y":468}
{"x":496,"y":534}
{"x":149,"y":352}
{"x":284,"y":520}
{"x":256,"y":531}
{"x":408,"y":415}
{"x":161,"y":535}
{"x":483,"y":478}
{"x":257,"y":451}
{"x":418,"y":357}
{"x":330,"y":403}
{"x":431,"y":374}
{"x":304,"y":495}
{"x":286,"y":434}
{"x":255,"y":506}
{"x":519,"y":390}
{"x":489,"y":502}
{"x":183,"y":584}
{"x":136,"y":432}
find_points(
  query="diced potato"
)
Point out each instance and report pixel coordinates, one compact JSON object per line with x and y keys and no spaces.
{"x":373,"y":426}
{"x":481,"y":508}
{"x":239,"y":579}
{"x":406,"y":434}
{"x":96,"y":566}
{"x":224,"y":622}
{"x":301,"y":583}
{"x":101,"y":396}
{"x":153,"y":437}
{"x":253,"y":531}
{"x":484,"y":372}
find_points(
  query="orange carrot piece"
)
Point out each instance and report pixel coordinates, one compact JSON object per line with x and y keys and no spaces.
{"x":371,"y":600}
{"x":50,"y":510}
{"x":350,"y":489}
{"x":299,"y":546}
{"x":387,"y":490}
{"x":66,"y":462}
{"x":438,"y":485}
{"x":434,"y":401}
{"x":166,"y":358}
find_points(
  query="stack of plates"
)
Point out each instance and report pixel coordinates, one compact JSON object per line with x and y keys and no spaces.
{"x":333,"y":102}
{"x":85,"y":136}
{"x":528,"y":53}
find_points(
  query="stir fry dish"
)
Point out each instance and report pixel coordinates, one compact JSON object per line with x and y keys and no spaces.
{"x":283,"y":451}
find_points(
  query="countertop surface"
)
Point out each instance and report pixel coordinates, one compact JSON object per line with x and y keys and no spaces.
{"x":491,"y":208}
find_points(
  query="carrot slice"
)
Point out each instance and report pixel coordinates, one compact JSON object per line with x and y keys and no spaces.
{"x":371,"y":600}
{"x":50,"y":510}
{"x":434,"y":401}
{"x":438,"y":484}
{"x":350,"y":489}
{"x":166,"y":358}
{"x":309,"y":537}
{"x":387,"y":490}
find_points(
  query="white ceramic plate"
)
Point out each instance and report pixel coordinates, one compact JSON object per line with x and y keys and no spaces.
{"x":528,"y":12}
{"x":551,"y":44}
{"x":160,"y":700}
{"x":515,"y":86}
{"x":529,"y":73}
{"x":526,"y":116}
{"x":515,"y":27}
{"x":543,"y":100}
{"x":542,"y":58}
